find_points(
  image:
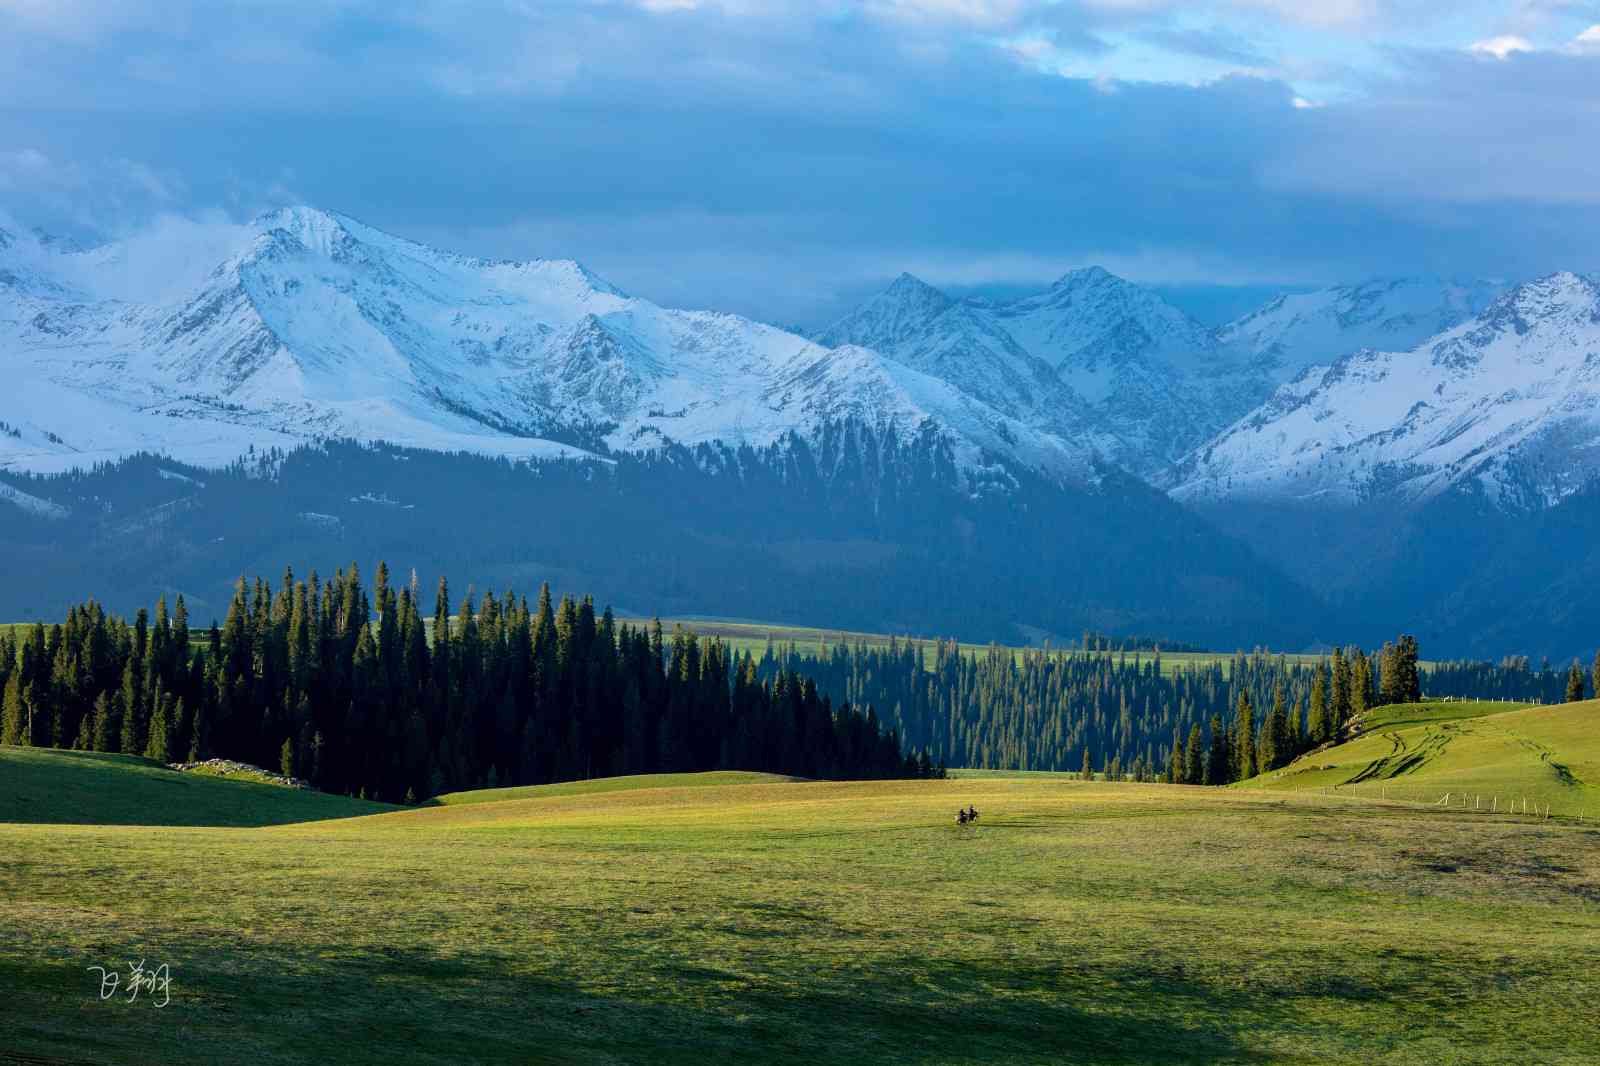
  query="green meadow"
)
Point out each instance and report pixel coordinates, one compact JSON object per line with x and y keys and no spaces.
{"x":739,"y":918}
{"x":1486,"y":755}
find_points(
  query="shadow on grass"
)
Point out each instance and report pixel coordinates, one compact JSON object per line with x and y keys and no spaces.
{"x":322,"y":1005}
{"x":49,"y":786}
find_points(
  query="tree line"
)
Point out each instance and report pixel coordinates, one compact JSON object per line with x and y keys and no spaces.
{"x":1515,"y":678}
{"x":1131,"y":715}
{"x":365,"y":695}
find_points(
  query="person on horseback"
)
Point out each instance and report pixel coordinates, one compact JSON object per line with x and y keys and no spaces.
{"x":961,"y":817}
{"x":972,"y":814}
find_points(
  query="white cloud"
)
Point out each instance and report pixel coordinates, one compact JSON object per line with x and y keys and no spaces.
{"x":973,"y":12}
{"x":1587,"y":42}
{"x":1319,"y":13}
{"x":1503,"y":47}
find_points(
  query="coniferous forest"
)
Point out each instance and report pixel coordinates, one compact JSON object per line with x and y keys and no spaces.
{"x":1128,"y":714}
{"x":365,"y":695}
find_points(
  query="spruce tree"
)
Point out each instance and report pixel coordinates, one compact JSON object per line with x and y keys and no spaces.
{"x":105,"y":723}
{"x":133,"y":709}
{"x":14,"y":723}
{"x":1218,"y":760}
{"x":156,"y":745}
{"x":1274,"y":743}
{"x":1407,"y":656}
{"x":1244,"y":740}
{"x":1088,"y":771}
{"x":1575,"y":683}
{"x":1594,"y":681}
{"x":1194,"y":758}
{"x":1317,"y":730}
{"x":1360,"y":683}
{"x":1338,"y":710}
{"x":1389,"y":687}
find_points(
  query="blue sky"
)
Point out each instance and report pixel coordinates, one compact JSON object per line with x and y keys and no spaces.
{"x":782,"y":158}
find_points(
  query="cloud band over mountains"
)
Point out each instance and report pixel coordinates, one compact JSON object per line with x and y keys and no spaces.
{"x":775,"y":157}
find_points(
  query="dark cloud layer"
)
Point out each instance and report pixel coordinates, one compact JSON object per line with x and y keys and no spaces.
{"x":777,"y":158}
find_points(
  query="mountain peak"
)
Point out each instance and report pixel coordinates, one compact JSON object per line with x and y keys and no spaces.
{"x":1089,"y":275}
{"x":1563,"y":285}
{"x":1561,"y":295}
{"x":908,"y":288}
{"x":904,"y":310}
{"x":312,"y":228}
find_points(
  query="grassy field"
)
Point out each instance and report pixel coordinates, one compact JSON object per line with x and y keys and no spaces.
{"x":607,"y":784}
{"x":798,"y":921}
{"x":1548,"y":756}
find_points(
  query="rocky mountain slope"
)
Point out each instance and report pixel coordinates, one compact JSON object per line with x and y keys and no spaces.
{"x":1294,"y":332}
{"x":1093,"y":357}
{"x":1507,"y":403}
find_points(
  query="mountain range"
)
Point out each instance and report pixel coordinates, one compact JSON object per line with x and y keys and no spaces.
{"x":1314,"y":410}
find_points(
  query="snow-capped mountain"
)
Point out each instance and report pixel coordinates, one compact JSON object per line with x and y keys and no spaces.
{"x":1094,"y":357}
{"x":313,"y":325}
{"x":1297,"y":331}
{"x":960,"y":343}
{"x":1507,"y":402}
{"x":318,"y":326}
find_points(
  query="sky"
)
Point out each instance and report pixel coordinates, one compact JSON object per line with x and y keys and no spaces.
{"x":782,"y":158}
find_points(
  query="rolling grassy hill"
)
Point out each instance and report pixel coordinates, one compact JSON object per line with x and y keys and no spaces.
{"x":1503,"y":753}
{"x":43,"y":785}
{"x":607,"y":784}
{"x":809,"y":921}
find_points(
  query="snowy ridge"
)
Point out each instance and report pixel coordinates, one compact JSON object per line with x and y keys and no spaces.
{"x":318,"y":326}
{"x":1297,"y":331}
{"x":1507,"y":402}
{"x":1093,"y":358}
{"x":309,"y":325}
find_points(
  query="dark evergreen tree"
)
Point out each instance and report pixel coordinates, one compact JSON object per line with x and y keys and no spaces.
{"x":1219,"y":761}
{"x":156,"y":744}
{"x":105,"y":723}
{"x":1318,"y":729}
{"x":1244,"y":739}
{"x":1274,"y":742}
{"x":1194,"y":758}
{"x":1575,"y":683}
{"x":1338,"y":710}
